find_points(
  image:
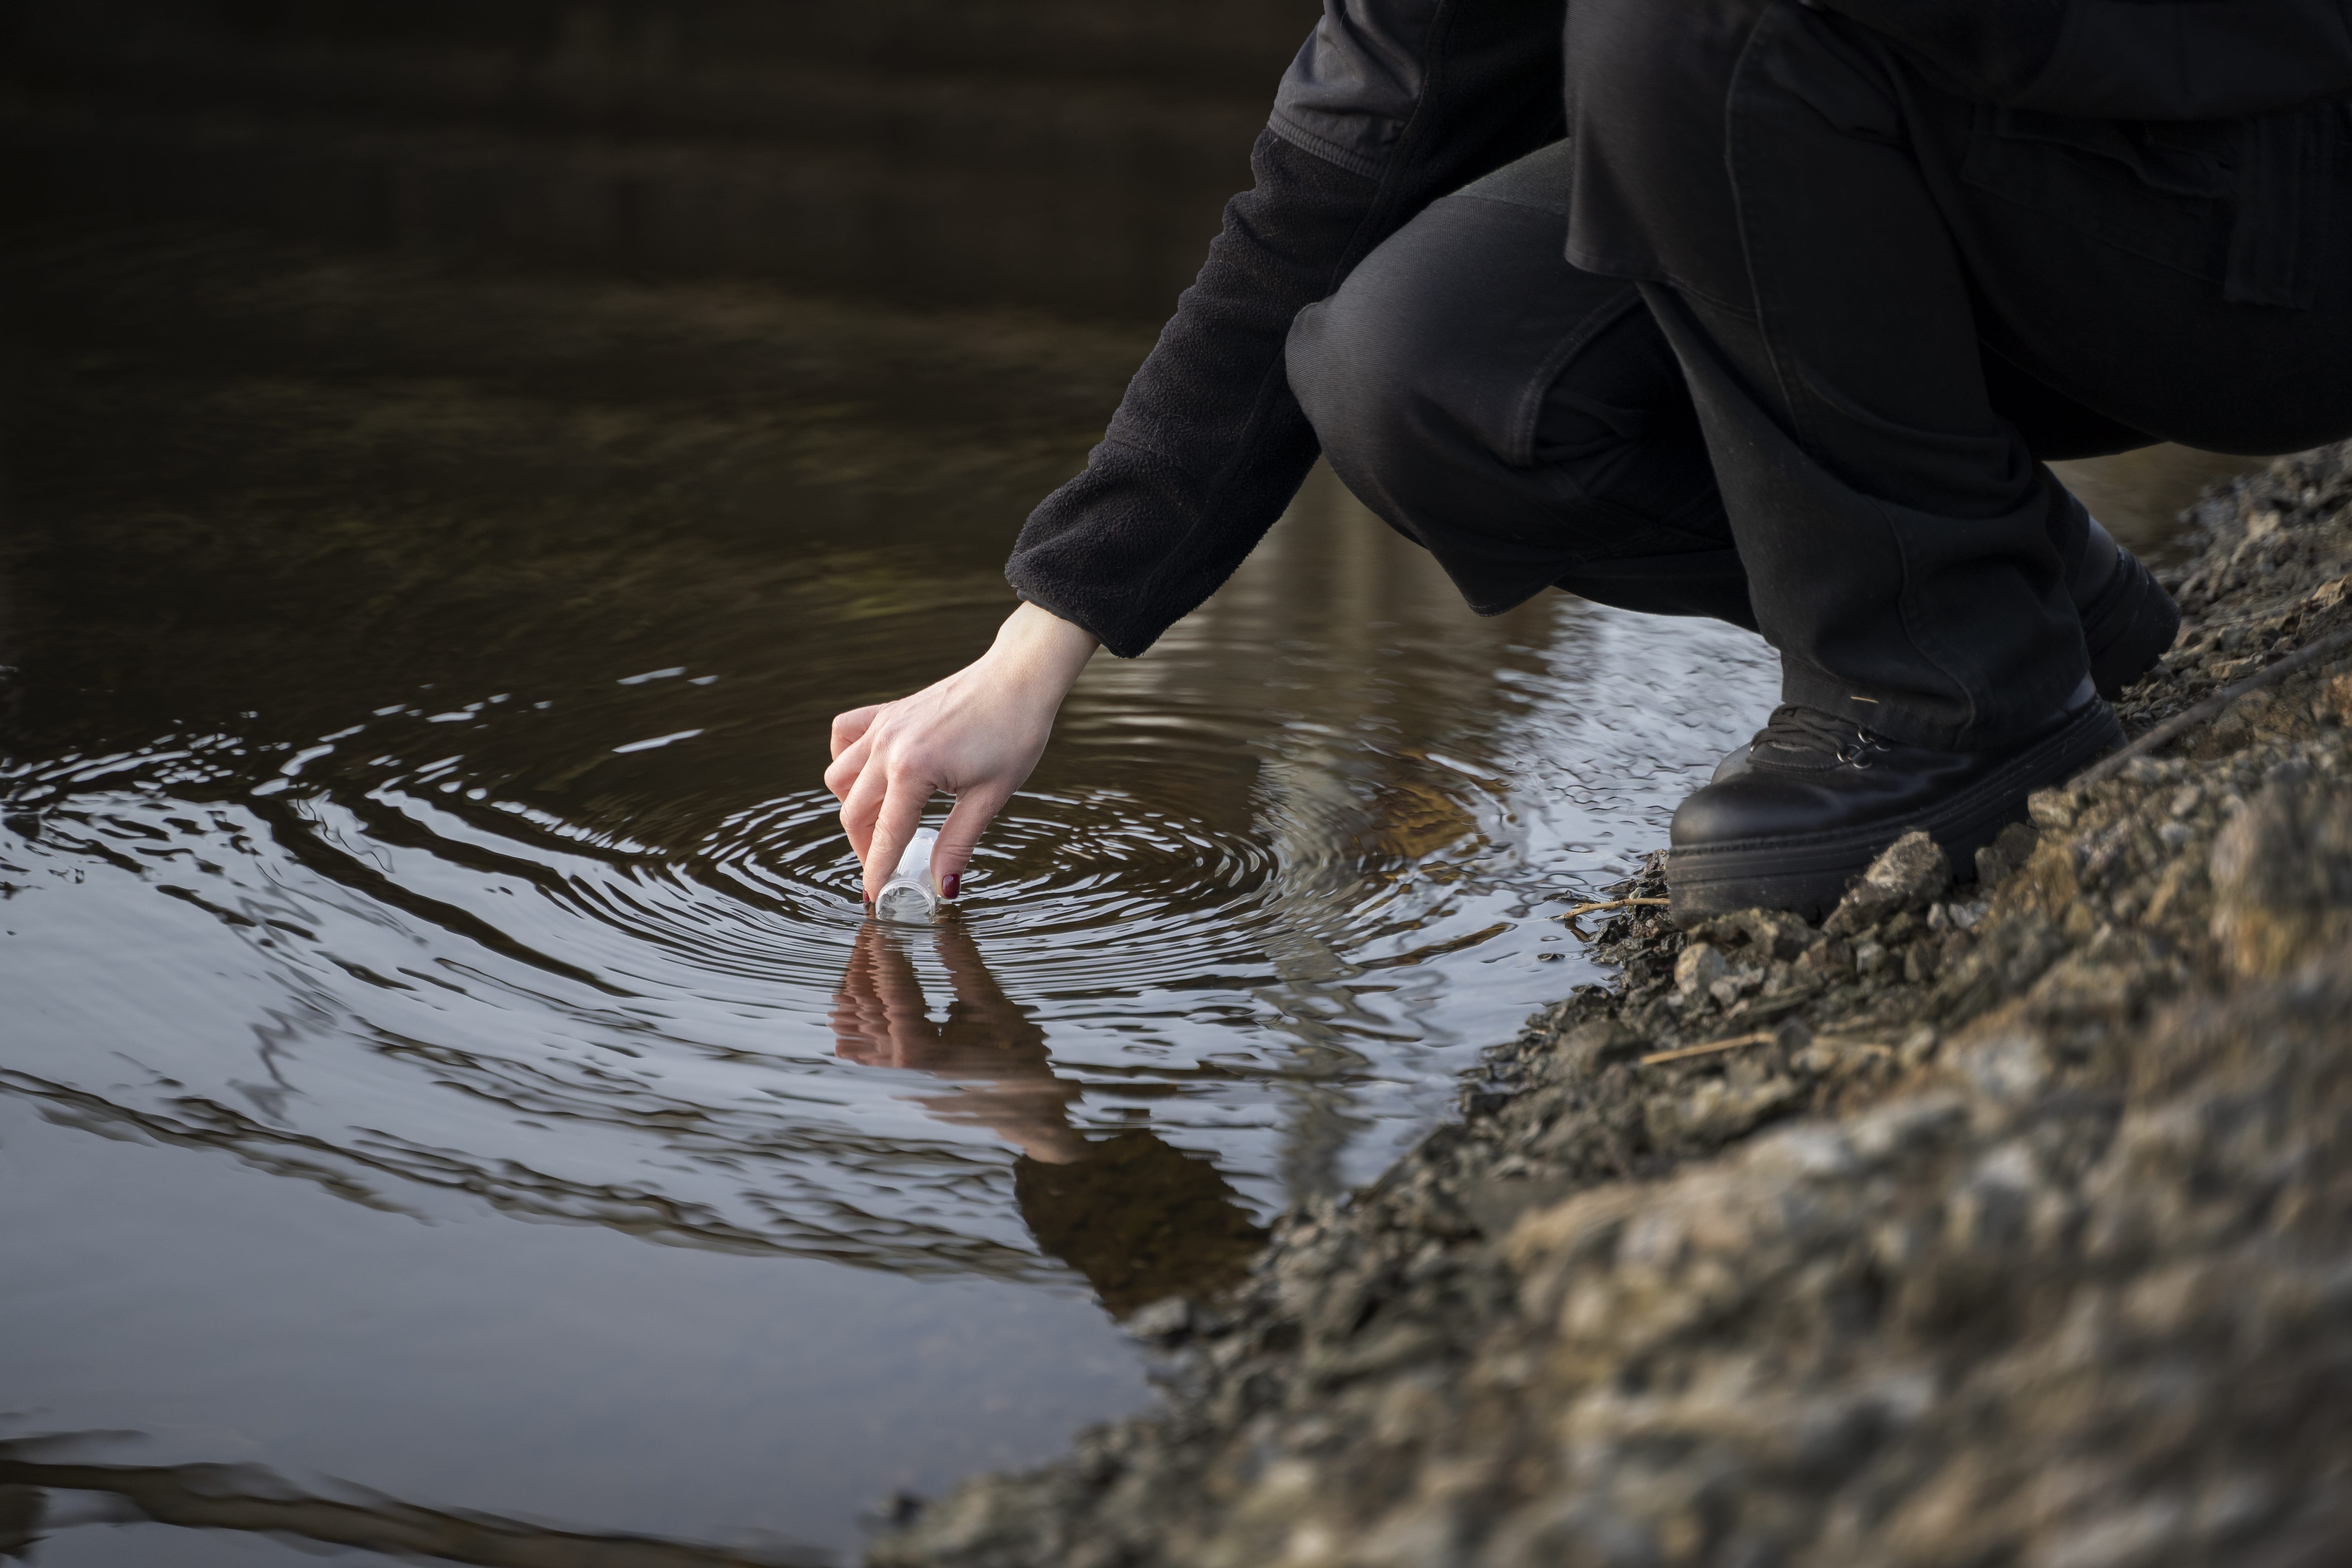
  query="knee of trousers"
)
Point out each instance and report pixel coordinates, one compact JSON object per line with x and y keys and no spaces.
{"x":1369,"y":367}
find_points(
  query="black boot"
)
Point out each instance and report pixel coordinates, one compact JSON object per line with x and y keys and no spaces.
{"x":2128,"y":623}
{"x":1821,"y":798}
{"x":2128,"y":620}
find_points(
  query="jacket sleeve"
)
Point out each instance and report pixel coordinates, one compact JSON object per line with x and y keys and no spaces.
{"x":1390,"y":105}
{"x":2128,"y":60}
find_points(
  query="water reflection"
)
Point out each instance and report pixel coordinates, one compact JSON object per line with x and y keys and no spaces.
{"x":1138,"y":1218}
{"x":984,"y":1040}
{"x":251,"y":1497}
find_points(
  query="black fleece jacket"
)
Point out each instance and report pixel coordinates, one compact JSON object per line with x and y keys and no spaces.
{"x":1393,"y":103}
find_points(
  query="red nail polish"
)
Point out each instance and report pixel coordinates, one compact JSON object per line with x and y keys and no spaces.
{"x":954,"y":886}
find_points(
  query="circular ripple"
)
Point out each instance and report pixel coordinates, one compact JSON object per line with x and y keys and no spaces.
{"x":1068,"y":892}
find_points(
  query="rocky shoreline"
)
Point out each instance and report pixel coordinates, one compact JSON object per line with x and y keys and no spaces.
{"x":2007,"y":1221}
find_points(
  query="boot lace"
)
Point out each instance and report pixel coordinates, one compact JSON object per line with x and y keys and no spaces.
{"x":1802,"y":734}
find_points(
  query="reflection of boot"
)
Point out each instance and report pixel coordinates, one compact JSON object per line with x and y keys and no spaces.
{"x":1140,"y":1220}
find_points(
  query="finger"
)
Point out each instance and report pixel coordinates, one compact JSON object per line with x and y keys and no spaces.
{"x":959,"y":835}
{"x":952,"y":940}
{"x":853,"y":1038}
{"x":854,"y":1034}
{"x":861,"y":807}
{"x":901,"y":995}
{"x":850,"y":728}
{"x":876,"y":1026}
{"x":981,"y":1000}
{"x":974,"y":986}
{"x":901,"y":812}
{"x":848,"y":764}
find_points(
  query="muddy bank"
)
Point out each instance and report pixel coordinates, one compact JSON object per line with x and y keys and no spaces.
{"x":2007,"y":1220}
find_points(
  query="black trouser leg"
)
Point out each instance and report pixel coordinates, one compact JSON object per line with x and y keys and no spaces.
{"x":1791,"y":200}
{"x":1527,"y":421}
{"x":1521,"y":418}
{"x":1898,"y":534}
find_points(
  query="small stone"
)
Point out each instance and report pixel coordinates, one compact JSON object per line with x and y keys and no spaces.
{"x":1815,"y":1061}
{"x":1164,"y":1322}
{"x":1911,"y":873}
{"x":2291,"y":772}
{"x":1769,"y":933}
{"x":2337,"y":695}
{"x":2051,"y":809}
{"x":1698,"y":968}
{"x":2007,"y":1068}
{"x":2010,"y":849}
{"x":1588,"y":1048}
{"x":1715,"y":1111}
{"x":2281,"y":874}
{"x":1827,"y":956}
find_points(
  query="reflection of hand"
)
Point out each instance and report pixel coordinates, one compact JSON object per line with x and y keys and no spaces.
{"x":879,"y":1019}
{"x":877,"y":1013}
{"x":974,"y":735}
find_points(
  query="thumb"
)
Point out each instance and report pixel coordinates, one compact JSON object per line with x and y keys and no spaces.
{"x":960,"y":834}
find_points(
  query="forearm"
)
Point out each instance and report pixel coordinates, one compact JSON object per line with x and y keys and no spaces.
{"x":1392,"y":104}
{"x":1208,"y":446}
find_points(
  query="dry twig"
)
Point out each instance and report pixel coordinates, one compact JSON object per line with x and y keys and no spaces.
{"x":1760,"y":1036}
{"x":2174,"y":727}
{"x":1597,"y":906}
{"x":1680,"y":1052}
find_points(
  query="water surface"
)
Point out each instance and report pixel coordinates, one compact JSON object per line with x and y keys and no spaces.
{"x":443,"y":1050}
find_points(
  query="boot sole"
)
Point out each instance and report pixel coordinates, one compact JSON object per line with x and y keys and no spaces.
{"x":1809,"y":874}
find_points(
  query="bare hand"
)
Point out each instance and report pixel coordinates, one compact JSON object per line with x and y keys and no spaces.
{"x":975,"y":735}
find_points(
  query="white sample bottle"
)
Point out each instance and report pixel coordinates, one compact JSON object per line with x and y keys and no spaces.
{"x":912,"y":893}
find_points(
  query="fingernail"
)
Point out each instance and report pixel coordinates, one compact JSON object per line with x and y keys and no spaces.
{"x":954,"y":886}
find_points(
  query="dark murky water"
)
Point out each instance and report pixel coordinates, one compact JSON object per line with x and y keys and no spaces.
{"x":442,"y":1050}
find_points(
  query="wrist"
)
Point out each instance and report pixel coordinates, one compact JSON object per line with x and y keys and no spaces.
{"x":1040,"y":644}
